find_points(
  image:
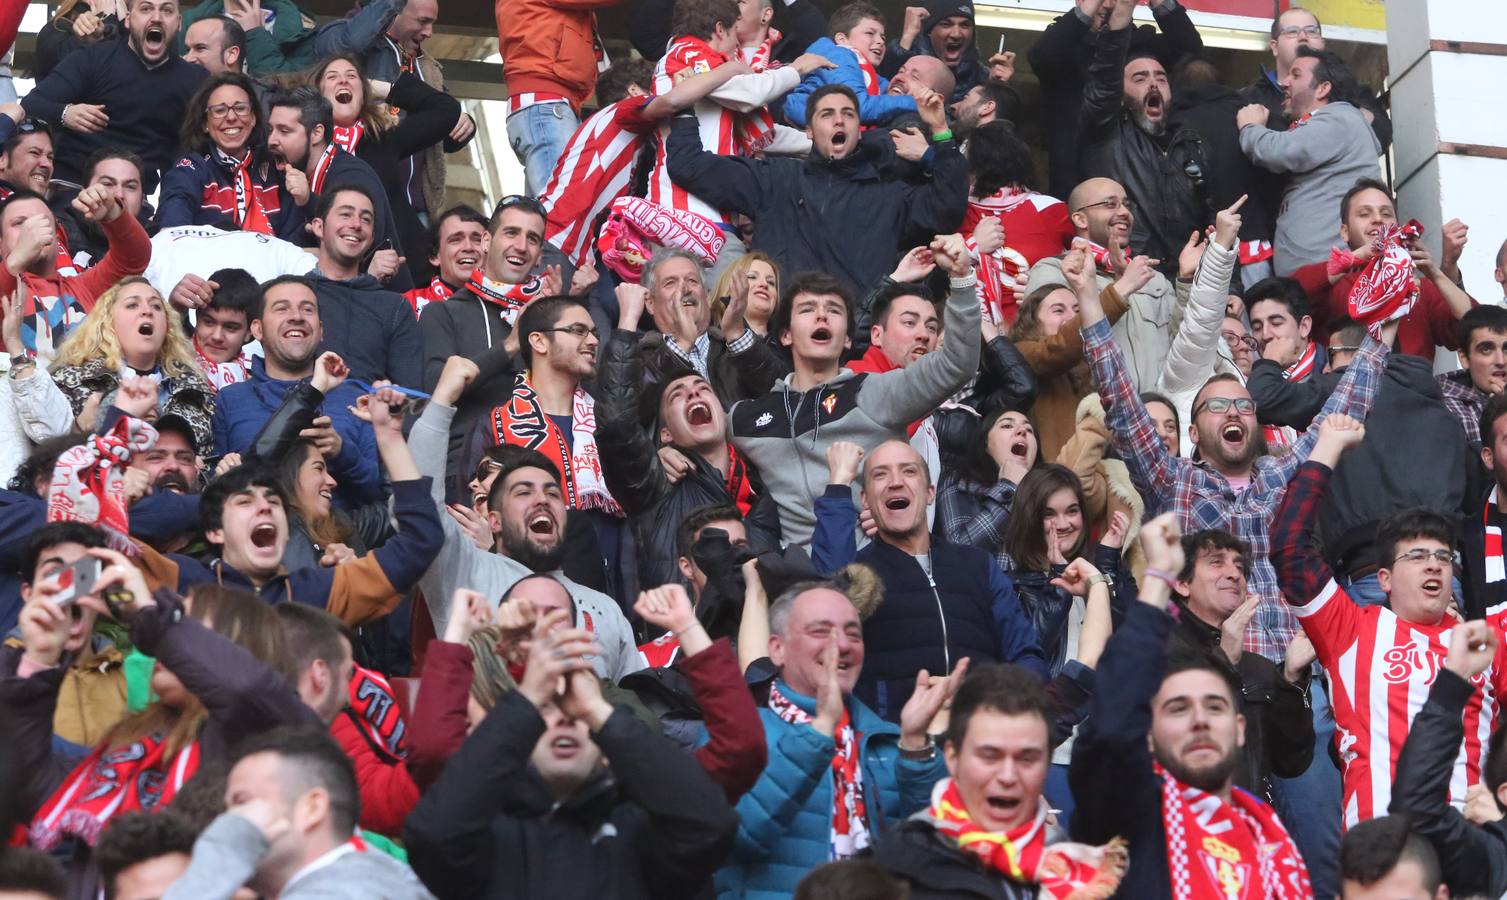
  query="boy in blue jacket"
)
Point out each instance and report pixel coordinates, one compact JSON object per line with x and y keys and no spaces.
{"x":856,"y":46}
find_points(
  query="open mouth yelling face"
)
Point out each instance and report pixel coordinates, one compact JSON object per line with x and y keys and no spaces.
{"x":140,"y":321}
{"x":950,"y":38}
{"x":341,"y":84}
{"x":1013,"y":438}
{"x":691,"y":415}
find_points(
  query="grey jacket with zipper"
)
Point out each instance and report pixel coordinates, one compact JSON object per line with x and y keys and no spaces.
{"x":786,"y":432}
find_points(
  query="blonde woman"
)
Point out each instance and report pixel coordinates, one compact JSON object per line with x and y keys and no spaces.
{"x":133,"y":332}
{"x":763,"y":290}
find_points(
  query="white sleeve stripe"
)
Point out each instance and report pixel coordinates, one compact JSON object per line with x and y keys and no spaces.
{"x":1317,"y":603}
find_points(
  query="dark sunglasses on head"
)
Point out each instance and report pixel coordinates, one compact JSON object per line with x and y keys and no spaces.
{"x":518,"y":201}
{"x":32,"y":126}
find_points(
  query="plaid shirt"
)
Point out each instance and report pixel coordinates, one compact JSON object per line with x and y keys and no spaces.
{"x":976,"y":514}
{"x":1465,"y":400}
{"x":1301,"y":570}
{"x":1200,"y":496}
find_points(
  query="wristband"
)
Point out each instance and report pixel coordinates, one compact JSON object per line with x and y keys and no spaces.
{"x":1159,"y":575}
{"x":63,"y":116}
{"x":924,"y":754}
{"x":943,"y":135}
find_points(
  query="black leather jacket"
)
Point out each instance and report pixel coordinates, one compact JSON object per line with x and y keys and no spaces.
{"x":1005,"y":381}
{"x":1165,"y":176}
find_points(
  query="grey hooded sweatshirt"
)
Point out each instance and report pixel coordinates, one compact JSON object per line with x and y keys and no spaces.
{"x":786,"y":432}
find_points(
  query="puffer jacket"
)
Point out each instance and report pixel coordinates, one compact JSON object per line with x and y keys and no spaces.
{"x":1166,"y":177}
{"x":636,"y":477}
{"x":963,"y":607}
{"x":188,"y":396}
{"x":785,"y":822}
{"x":1107,"y":488}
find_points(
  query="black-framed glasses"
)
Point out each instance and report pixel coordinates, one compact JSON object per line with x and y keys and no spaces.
{"x":1244,"y":340}
{"x":221,"y":110}
{"x":1419,"y":554}
{"x":519,"y":201}
{"x":1295,"y":30}
{"x":1113,"y":204}
{"x":1221,"y":405}
{"x":579,"y":330}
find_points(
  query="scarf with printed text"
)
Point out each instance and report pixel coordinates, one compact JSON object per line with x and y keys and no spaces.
{"x":850,"y":829}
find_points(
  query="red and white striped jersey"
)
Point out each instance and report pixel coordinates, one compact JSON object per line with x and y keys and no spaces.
{"x":1380,"y":668}
{"x":595,"y":169}
{"x":733,"y":120}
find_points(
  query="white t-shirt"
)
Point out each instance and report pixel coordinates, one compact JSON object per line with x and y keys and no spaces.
{"x":202,"y":250}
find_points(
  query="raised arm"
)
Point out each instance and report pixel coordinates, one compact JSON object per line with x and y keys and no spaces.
{"x":357,"y":33}
{"x":1104,"y":89}
{"x":1190,"y":359}
{"x":689,"y":90}
{"x":1301,"y":570}
{"x":725,"y":182}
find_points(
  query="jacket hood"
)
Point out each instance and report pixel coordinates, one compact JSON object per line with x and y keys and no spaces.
{"x":786,"y":384}
{"x":1412,"y":373}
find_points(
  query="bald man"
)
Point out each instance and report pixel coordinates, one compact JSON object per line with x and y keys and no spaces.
{"x":1141,"y":310}
{"x":942,"y":602}
{"x":924,"y":70}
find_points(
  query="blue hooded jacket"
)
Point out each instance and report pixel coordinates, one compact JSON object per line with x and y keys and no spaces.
{"x":871,"y":110}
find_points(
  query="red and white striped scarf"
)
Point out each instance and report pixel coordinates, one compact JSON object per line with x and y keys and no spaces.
{"x":88,"y":484}
{"x":347,"y":137}
{"x":433,"y":292}
{"x":512,"y":298}
{"x":249,"y":214}
{"x":110,"y":781}
{"x":523,"y":422}
{"x":758,"y":58}
{"x":222,"y":375}
{"x":850,"y":829}
{"x":1495,"y":569}
{"x":1229,"y":850}
{"x":322,"y":169}
{"x":1303,"y":366}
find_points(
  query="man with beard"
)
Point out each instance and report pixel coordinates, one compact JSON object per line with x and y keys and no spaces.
{"x":371,"y":327}
{"x":1233,"y":486}
{"x":26,"y":153}
{"x":799,"y":207}
{"x":1103,"y":219}
{"x":1154,"y":764}
{"x":457,"y":247}
{"x":1365,"y":209}
{"x":1061,"y":58}
{"x":120,"y":172}
{"x":1126,"y":135}
{"x":300,"y":131}
{"x":287,"y":322}
{"x":1295,"y":29}
{"x":1380,"y":658}
{"x":129,"y":94}
{"x":942,"y":602}
{"x":1328,"y":148}
{"x":982,"y":104}
{"x":526,"y":518}
{"x":1483,"y":368}
{"x":732,"y":357}
{"x":948,"y":37}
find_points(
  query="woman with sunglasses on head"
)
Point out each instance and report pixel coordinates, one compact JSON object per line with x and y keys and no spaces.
{"x":132,"y":332}
{"x":226,"y":178}
{"x":367,"y":125}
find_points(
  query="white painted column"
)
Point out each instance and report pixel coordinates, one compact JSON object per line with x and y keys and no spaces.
{"x":1447,"y":59}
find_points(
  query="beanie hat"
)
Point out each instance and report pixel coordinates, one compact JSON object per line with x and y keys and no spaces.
{"x":937,"y":10}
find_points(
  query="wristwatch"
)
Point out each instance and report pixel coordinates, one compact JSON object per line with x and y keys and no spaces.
{"x":1103,"y":579}
{"x":925,"y":754}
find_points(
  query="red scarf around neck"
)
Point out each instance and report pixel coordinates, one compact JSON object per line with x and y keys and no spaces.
{"x":249,"y":214}
{"x":222,"y":375}
{"x":739,"y":485}
{"x":1062,"y":871}
{"x":322,"y":169}
{"x":1218,"y":850}
{"x":348,"y":137}
{"x":1494,"y":569}
{"x":110,"y":781}
{"x":758,"y":58}
{"x":512,"y":298}
{"x":850,"y":828}
{"x":523,"y":422}
{"x":1303,"y":366}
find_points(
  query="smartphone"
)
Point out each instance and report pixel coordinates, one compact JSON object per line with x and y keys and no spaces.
{"x":77,"y":579}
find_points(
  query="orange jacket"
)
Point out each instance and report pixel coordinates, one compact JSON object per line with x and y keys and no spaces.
{"x":549,"y":46}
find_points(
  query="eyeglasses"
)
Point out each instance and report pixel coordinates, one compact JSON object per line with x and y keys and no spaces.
{"x":1295,"y":30}
{"x":1113,"y":204}
{"x":1418,"y":554}
{"x":1220,"y":405}
{"x":523,"y":201}
{"x":221,"y":110}
{"x":577,"y":329}
{"x":1243,"y":340}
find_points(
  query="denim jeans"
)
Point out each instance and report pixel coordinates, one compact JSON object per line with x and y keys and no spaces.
{"x":538,"y":134}
{"x":1310,"y":804}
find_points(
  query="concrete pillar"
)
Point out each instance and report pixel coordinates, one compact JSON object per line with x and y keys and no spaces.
{"x":1447,"y":59}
